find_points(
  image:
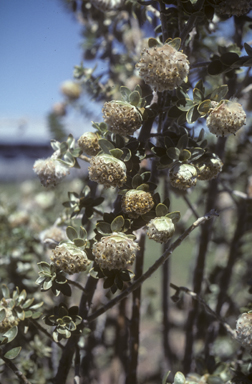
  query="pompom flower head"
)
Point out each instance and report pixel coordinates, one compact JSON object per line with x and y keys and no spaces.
{"x":50,"y":171}
{"x":89,"y":143}
{"x":226,"y":118}
{"x":183,"y":175}
{"x":71,"y":89}
{"x":160,"y":229}
{"x":244,"y":330}
{"x":71,"y":257}
{"x":107,"y":170}
{"x":115,"y":251}
{"x":125,"y":117}
{"x":137,"y":202}
{"x":163,"y":67}
{"x":208,"y":166}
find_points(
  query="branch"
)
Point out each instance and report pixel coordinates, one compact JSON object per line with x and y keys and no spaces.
{"x":14,"y":368}
{"x":208,"y":310}
{"x":42,"y":329}
{"x":76,"y":285}
{"x":191,"y":22}
{"x":153,"y":268}
{"x":135,"y":318}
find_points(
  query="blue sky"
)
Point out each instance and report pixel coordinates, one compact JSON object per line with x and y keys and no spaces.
{"x":39,"y":47}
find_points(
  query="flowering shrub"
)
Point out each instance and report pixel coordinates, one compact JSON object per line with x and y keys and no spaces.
{"x":169,"y":173}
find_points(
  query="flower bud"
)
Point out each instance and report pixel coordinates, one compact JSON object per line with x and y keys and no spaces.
{"x":115,"y":251}
{"x":160,"y":229}
{"x":89,"y":143}
{"x":208,"y":166}
{"x":163,"y":68}
{"x":137,"y":202}
{"x":183,"y":176}
{"x":69,"y":258}
{"x":122,"y":117}
{"x":107,"y":170}
{"x":244,"y":330}
{"x":226,"y":118}
{"x":50,"y":171}
{"x":71,"y":90}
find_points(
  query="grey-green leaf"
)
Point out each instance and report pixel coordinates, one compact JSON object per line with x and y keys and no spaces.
{"x":117,"y":224}
{"x":174,"y":216}
{"x":161,"y":210}
{"x":134,"y":98}
{"x":219,"y":93}
{"x":173,"y":153}
{"x":116,"y":153}
{"x":106,"y":146}
{"x":79,"y":242}
{"x":183,"y":142}
{"x":11,"y":333}
{"x":71,"y":233}
{"x":12,"y":353}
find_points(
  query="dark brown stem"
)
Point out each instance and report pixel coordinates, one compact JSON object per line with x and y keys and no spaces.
{"x":233,"y":255}
{"x":191,"y":22}
{"x":68,"y":352}
{"x":206,"y":307}
{"x":42,"y":329}
{"x":76,"y":285}
{"x":14,"y":369}
{"x":153,"y":268}
{"x":135,"y":318}
{"x":200,"y":264}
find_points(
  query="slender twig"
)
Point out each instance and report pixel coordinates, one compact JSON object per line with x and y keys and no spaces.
{"x":163,"y":21}
{"x":76,"y":285}
{"x":153,"y":10}
{"x":208,"y":310}
{"x":85,"y":158}
{"x":233,"y":255}
{"x":42,"y":329}
{"x":68,"y":352}
{"x":191,"y":22}
{"x":14,"y":369}
{"x":77,"y":366}
{"x":135,"y":318}
{"x":200,"y":64}
{"x":191,"y":206}
{"x":153,"y":268}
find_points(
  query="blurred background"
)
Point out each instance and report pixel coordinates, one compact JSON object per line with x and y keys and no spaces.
{"x":40,"y":43}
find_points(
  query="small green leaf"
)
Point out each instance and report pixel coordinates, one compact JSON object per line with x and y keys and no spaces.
{"x":216,"y":67}
{"x":117,"y":224}
{"x":143,"y":187}
{"x":161,"y":210}
{"x":103,"y":228}
{"x":197,"y":95}
{"x":229,"y":58}
{"x":76,"y":152}
{"x":173,"y":153}
{"x":83,"y":233}
{"x":175,"y":43}
{"x":55,"y":145}
{"x":36,"y":315}
{"x":196,"y":153}
{"x":106,"y":146}
{"x":63,"y":148}
{"x":11,"y":333}
{"x":47,"y":285}
{"x":12,"y":353}
{"x":116,"y":153}
{"x":134,"y":98}
{"x":136,"y":181}
{"x":28,"y":303}
{"x":5,"y":291}
{"x":184,"y":155}
{"x":44,"y":267}
{"x":2,"y":315}
{"x":174,"y":216}
{"x":219,"y":93}
{"x":179,"y":378}
{"x":192,"y":115}
{"x":108,"y":282}
{"x":138,"y":89}
{"x":71,"y":233}
{"x":183,"y":142}
{"x":204,"y":107}
{"x":164,"y":381}
{"x":125,"y":92}
{"x":79,"y":242}
{"x":248,"y":49}
{"x":22,"y":296}
{"x":153,"y":43}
